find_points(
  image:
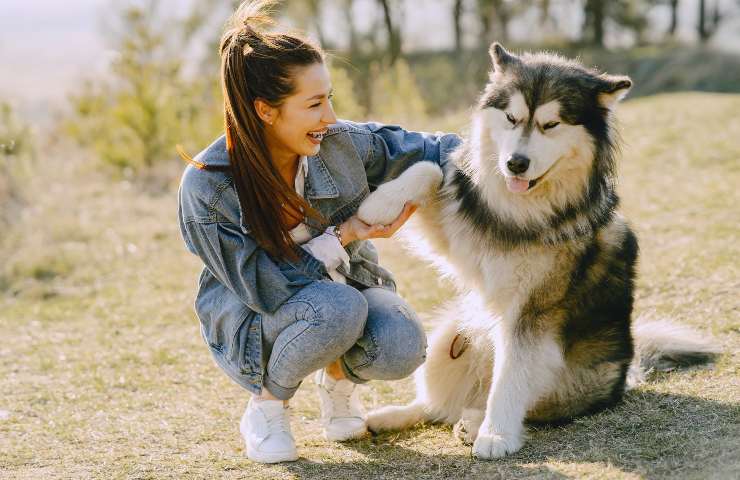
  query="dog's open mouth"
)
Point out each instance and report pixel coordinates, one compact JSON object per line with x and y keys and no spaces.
{"x":521,"y":185}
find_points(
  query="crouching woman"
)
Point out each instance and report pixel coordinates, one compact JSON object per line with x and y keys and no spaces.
{"x":291,"y":284}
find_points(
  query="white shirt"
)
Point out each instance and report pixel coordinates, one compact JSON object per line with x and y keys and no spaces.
{"x":326,"y":247}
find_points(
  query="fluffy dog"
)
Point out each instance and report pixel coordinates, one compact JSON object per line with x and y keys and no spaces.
{"x":525,"y":221}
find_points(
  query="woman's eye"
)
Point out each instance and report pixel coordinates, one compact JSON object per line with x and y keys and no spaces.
{"x":316,"y":105}
{"x":511,"y":119}
{"x":550,"y":125}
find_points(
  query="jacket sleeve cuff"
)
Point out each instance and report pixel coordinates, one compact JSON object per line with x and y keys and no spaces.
{"x":327,"y":249}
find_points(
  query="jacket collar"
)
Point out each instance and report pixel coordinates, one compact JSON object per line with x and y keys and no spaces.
{"x":319,"y":181}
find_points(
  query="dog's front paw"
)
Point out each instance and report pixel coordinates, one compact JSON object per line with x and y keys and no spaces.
{"x":417,"y":185}
{"x":466,"y":429}
{"x":490,"y":446}
{"x":463,"y":432}
{"x":382,"y":206}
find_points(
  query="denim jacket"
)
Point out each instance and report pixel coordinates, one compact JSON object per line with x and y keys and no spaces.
{"x":240,"y":280}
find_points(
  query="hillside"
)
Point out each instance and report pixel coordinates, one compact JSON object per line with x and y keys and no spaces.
{"x":105,"y":375}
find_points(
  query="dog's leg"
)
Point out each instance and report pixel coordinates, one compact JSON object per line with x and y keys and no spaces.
{"x":443,"y":384}
{"x":466,"y":429}
{"x":394,"y":417}
{"x":525,"y":368}
{"x":417,"y":185}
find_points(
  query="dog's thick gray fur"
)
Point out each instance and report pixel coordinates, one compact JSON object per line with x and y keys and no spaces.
{"x":525,"y":221}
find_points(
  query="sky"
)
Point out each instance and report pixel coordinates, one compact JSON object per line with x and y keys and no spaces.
{"x":46,"y":46}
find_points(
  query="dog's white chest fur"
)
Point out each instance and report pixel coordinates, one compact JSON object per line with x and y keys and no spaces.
{"x":504,"y":278}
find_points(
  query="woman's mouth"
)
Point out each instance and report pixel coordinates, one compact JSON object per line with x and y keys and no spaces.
{"x":316,"y":137}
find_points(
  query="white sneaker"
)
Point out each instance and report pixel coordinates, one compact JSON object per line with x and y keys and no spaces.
{"x":265,"y":427}
{"x":341,"y":410}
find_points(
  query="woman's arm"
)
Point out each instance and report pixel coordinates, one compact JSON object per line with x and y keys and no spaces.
{"x":391,"y":150}
{"x":248,"y":271}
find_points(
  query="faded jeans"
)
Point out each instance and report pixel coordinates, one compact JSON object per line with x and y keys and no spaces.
{"x":373,"y":332}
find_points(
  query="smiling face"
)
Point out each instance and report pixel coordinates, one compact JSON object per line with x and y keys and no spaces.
{"x":296,"y":127}
{"x":531,"y":143}
{"x":545,"y":114}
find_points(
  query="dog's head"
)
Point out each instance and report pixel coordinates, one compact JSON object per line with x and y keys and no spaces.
{"x":546,"y":116}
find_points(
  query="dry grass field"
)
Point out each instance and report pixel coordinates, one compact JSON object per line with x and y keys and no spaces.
{"x":103,"y":373}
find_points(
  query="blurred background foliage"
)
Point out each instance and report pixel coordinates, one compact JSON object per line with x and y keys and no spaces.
{"x":16,"y":157}
{"x":161,"y":88}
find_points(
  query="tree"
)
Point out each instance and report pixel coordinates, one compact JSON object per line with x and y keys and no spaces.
{"x":707,"y":26}
{"x":594,"y":21}
{"x":629,"y":14}
{"x":393,"y":30}
{"x":674,"y":18}
{"x":495,"y":16}
{"x":702,"y":26}
{"x":308,"y":14}
{"x":353,"y":36}
{"x":457,"y":10}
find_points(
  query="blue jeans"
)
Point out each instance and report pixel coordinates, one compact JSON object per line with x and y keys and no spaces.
{"x":373,"y":332}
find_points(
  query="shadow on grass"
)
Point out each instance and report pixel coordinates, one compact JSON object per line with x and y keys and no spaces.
{"x":649,"y":434}
{"x":384,"y":457}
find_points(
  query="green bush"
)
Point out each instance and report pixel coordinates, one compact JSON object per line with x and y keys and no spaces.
{"x":147,"y":105}
{"x":395,"y":96}
{"x":16,"y":155}
{"x":345,"y":101}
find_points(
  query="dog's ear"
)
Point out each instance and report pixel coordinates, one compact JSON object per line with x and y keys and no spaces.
{"x":613,"y":88}
{"x":501,"y":58}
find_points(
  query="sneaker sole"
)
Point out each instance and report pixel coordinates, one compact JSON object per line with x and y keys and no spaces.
{"x":262,"y":457}
{"x":344,"y":436}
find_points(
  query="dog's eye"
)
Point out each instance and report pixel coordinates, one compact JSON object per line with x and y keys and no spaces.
{"x":550,"y":125}
{"x":511,"y":119}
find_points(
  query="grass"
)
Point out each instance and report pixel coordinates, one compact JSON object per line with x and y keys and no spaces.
{"x":104,"y":373}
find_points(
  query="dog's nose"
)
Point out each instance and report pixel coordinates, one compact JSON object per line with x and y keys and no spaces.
{"x":518,"y":163}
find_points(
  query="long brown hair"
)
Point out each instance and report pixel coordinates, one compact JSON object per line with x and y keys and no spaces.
{"x":256,"y":64}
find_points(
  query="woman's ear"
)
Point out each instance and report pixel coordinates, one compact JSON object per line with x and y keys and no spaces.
{"x":265,"y":111}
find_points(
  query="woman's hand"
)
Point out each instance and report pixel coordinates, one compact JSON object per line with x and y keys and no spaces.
{"x":355,"y":229}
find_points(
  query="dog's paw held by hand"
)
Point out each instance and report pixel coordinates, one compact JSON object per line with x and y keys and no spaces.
{"x":382,"y":207}
{"x":416,"y":185}
{"x":490,"y":446}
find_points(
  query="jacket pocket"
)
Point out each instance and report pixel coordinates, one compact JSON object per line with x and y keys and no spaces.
{"x":245,"y":352}
{"x":220,"y":312}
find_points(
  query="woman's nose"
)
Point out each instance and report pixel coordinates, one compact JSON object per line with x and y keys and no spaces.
{"x":329,"y":117}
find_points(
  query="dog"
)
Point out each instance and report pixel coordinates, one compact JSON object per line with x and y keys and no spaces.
{"x":524,"y":219}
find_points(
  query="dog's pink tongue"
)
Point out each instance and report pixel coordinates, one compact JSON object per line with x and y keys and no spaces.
{"x":517,"y":185}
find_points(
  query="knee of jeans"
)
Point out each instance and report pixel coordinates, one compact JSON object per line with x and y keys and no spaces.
{"x":402,"y":358}
{"x":344,"y":311}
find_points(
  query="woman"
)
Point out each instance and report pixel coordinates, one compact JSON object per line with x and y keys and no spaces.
{"x":291,"y":285}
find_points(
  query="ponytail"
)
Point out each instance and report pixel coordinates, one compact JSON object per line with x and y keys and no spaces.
{"x":256,"y":64}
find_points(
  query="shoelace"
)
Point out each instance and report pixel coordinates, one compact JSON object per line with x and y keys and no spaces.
{"x":278,"y":423}
{"x":340,"y":403}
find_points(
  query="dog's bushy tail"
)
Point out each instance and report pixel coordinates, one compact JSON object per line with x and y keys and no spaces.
{"x":664,"y":345}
